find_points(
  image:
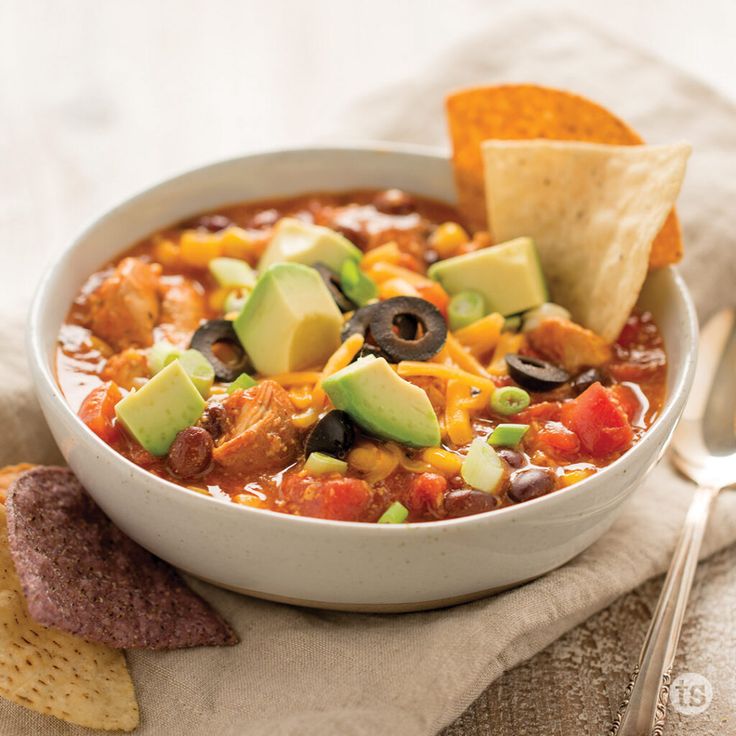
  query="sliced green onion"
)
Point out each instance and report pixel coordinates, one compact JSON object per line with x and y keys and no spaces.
{"x":232,"y":272}
{"x":512,"y":324}
{"x":198,"y":368}
{"x":356,"y":286}
{"x":243,"y":381}
{"x":160,"y":355}
{"x":482,"y":468}
{"x":465,"y":308}
{"x":235,"y":300}
{"x":396,"y":513}
{"x":507,"y":435}
{"x":509,"y":400}
{"x":318,"y":463}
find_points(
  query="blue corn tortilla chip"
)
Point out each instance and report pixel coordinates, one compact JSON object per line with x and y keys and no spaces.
{"x":80,"y":573}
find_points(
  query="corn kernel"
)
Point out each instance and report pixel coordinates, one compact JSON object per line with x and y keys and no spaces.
{"x":396,"y":287}
{"x":575,"y":476}
{"x":444,"y":461}
{"x":167,"y":253}
{"x":217,"y":299}
{"x":238,"y":243}
{"x":448,"y":238}
{"x":249,"y":499}
{"x":386,"y":253}
{"x":198,"y":249}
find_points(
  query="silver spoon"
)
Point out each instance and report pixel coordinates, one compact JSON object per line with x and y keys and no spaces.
{"x":704,"y":450}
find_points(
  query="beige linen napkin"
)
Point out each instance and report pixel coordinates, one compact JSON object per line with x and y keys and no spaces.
{"x":307,"y":672}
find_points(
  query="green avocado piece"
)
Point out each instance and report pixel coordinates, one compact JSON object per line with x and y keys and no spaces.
{"x":232,"y":273}
{"x":295,"y":241}
{"x":383,"y":403}
{"x":508,"y":275}
{"x":290,"y":321}
{"x":157,"y":412}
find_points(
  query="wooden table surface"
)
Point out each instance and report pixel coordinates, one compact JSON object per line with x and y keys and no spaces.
{"x":100,"y":99}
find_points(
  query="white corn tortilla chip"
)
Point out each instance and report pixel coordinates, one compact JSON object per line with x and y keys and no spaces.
{"x":593,"y":211}
{"x":53,"y":672}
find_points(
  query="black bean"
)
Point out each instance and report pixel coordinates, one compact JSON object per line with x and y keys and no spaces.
{"x":512,"y":457}
{"x":466,"y":502}
{"x":586,"y":379}
{"x":394,"y":202}
{"x":190,"y":454}
{"x":531,"y":483}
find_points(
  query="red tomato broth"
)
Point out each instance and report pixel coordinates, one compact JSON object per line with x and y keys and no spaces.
{"x":636,"y":374}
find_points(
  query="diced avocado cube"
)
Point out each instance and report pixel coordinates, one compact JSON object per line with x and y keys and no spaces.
{"x":290,"y":322}
{"x":157,"y":412}
{"x":232,"y":273}
{"x":296,"y":241}
{"x":383,"y":403}
{"x":508,"y":275}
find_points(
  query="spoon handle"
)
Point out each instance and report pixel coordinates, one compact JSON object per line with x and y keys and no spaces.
{"x":644,"y":707}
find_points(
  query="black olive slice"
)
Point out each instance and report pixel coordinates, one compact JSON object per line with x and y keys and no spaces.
{"x":535,"y":374}
{"x":407,"y":326}
{"x":332,"y":282}
{"x":388,"y":315}
{"x":334,"y":435}
{"x":221,"y":331}
{"x":358,"y":324}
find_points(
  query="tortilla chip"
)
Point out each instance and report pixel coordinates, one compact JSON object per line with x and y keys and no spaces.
{"x":524,"y":112}
{"x":80,"y":573}
{"x":592,"y":210}
{"x":56,"y":673}
{"x":8,"y":474}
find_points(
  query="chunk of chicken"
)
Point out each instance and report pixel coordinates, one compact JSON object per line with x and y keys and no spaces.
{"x":123,"y":368}
{"x":182,"y":309}
{"x":125,"y":307}
{"x":567,"y":344}
{"x":260,"y":434}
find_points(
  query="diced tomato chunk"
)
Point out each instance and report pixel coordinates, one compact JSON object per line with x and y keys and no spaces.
{"x":627,"y":400}
{"x":426,"y":492}
{"x":98,"y":411}
{"x":599,"y":421}
{"x":544,"y":411}
{"x":435,"y":294}
{"x":327,"y":497}
{"x":558,"y":438}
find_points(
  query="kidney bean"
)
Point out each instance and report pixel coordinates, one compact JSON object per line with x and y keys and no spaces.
{"x":531,"y":483}
{"x":214,"y":420}
{"x":355,"y":236}
{"x":213,"y":223}
{"x":512,"y":457}
{"x":191,"y":452}
{"x":394,"y":202}
{"x":466,"y":502}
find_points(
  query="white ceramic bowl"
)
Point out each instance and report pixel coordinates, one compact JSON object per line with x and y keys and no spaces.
{"x":313,"y":562}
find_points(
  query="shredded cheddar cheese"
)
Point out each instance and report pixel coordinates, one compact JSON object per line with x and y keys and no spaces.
{"x":481,"y":337}
{"x":508,"y":342}
{"x":337,"y":361}
{"x":296,"y":378}
{"x":457,"y":417}
{"x":416,"y":368}
{"x":463,"y":359}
